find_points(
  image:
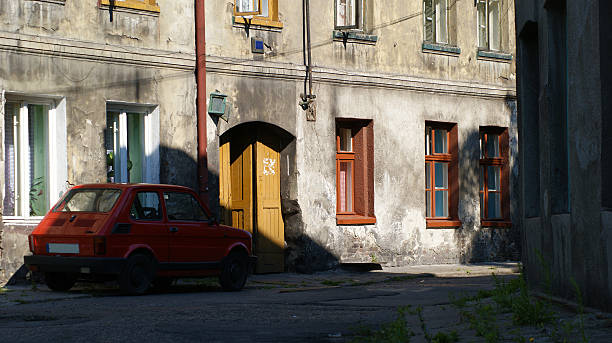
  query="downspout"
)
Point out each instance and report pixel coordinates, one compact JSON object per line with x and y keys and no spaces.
{"x":200,"y":36}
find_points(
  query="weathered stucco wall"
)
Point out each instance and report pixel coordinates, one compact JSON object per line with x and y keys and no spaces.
{"x":74,"y":52}
{"x":397,"y":85}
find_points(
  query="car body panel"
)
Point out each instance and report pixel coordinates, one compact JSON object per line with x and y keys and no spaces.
{"x":83,"y":241}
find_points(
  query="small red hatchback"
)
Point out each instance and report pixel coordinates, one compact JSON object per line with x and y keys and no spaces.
{"x":138,"y":234}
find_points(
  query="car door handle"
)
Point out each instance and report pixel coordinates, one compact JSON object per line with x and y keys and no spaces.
{"x":173,"y":229}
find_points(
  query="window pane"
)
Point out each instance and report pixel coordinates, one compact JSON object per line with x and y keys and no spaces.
{"x":37,"y":140}
{"x":428,"y":203}
{"x":88,"y":200}
{"x":146,"y":206}
{"x":482,"y":23}
{"x":441,"y":203}
{"x":346,"y":187}
{"x":441,"y":175}
{"x":482,"y":145}
{"x":441,"y":23}
{"x":427,"y":175}
{"x":494,"y":205}
{"x":346,"y":140}
{"x":494,"y":25}
{"x":264,"y":8}
{"x":245,"y":6}
{"x":135,"y":127}
{"x":345,"y":12}
{"x":493,"y":174}
{"x":481,"y":178}
{"x":10,"y":111}
{"x":441,"y":143}
{"x":482,"y":205}
{"x":492,"y":145}
{"x":429,"y":20}
{"x":182,"y":206}
{"x":428,"y":135}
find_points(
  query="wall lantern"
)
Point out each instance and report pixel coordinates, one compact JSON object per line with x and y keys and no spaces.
{"x":217,"y":106}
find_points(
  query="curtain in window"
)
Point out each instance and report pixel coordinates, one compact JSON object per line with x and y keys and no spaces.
{"x":346,"y":13}
{"x":38,"y":175}
{"x":9,"y":160}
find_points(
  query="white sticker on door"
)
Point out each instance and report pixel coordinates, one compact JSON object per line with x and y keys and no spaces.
{"x":269,"y":166}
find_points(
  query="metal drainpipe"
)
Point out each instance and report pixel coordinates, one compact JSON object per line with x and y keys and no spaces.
{"x":200,"y":32}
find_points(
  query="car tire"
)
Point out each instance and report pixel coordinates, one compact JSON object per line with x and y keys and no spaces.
{"x":136,"y":276}
{"x":234,"y":272}
{"x":60,"y":282}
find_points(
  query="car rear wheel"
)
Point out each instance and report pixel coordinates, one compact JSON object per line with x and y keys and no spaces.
{"x":60,"y":282}
{"x":234,"y":273}
{"x":135,"y":279}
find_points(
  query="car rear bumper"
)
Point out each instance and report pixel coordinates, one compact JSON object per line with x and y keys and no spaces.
{"x":83,"y":265}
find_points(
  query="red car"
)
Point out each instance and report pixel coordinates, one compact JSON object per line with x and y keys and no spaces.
{"x":138,"y":234}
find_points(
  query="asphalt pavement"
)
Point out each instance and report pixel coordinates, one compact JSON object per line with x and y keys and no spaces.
{"x":332,"y":306}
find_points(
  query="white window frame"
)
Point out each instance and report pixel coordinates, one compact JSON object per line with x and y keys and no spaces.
{"x":488,"y":29}
{"x":439,"y":24}
{"x":151,"y":165}
{"x":358,"y":13}
{"x":57,"y":165}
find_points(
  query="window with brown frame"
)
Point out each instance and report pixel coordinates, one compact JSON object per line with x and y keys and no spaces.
{"x":441,"y":175}
{"x":354,"y":172}
{"x":144,"y":5}
{"x":257,"y":12}
{"x":494,"y":177}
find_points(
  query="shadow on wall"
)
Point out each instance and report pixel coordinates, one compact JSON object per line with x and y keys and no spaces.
{"x":488,"y":243}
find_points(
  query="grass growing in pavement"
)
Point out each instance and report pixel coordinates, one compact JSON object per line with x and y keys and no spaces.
{"x":396,"y":331}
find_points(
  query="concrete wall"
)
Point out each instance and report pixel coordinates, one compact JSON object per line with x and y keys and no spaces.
{"x":396,"y":84}
{"x":567,"y":246}
{"x":72,"y":51}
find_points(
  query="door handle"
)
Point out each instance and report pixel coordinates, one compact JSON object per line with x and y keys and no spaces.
{"x":173,"y":229}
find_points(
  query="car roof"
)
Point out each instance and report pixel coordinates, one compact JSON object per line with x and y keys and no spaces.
{"x":123,"y":186}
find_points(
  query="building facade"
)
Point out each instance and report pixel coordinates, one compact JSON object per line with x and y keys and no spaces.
{"x":565,"y":111}
{"x":406,"y":153}
{"x":90,"y":91}
{"x":345,"y":131}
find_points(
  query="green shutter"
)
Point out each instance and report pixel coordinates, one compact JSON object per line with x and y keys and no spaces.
{"x":135,"y":123}
{"x":39,"y":178}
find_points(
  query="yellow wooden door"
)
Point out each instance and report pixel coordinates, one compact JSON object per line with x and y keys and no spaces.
{"x":270,"y":228}
{"x":225,"y":184}
{"x":241,"y":160}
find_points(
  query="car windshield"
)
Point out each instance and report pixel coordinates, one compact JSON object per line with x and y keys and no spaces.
{"x":88,"y":200}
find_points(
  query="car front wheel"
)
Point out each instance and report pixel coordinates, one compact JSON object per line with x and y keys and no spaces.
{"x":135,"y":279}
{"x":60,"y":282}
{"x":234,"y":273}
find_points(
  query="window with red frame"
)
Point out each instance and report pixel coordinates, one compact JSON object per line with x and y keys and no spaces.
{"x":441,"y":182}
{"x":354,"y":171}
{"x":494,"y":174}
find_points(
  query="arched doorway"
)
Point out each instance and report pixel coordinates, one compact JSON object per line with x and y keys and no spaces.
{"x":250,"y":188}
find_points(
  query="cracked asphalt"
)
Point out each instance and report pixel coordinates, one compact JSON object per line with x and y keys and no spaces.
{"x":321,"y":307}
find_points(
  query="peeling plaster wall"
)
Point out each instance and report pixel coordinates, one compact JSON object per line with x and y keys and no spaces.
{"x":395,"y":84}
{"x":73,"y":51}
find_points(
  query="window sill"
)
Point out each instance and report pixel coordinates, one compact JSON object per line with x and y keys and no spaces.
{"x":357,"y":37}
{"x":257,"y":23}
{"x":496,"y":223}
{"x":443,"y":223}
{"x":353,"y":219}
{"x":442,"y":49}
{"x":495,"y":56}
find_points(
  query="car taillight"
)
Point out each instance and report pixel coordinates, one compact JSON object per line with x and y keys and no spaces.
{"x":100,"y":245}
{"x":31,"y":241}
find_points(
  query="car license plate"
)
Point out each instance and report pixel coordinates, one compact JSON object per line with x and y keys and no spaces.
{"x":62,"y":248}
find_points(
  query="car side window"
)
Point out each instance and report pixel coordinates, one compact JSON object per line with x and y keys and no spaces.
{"x":146,"y":206}
{"x":183,"y":206}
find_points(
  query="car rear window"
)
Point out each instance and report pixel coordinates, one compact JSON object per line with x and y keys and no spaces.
{"x":88,"y":200}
